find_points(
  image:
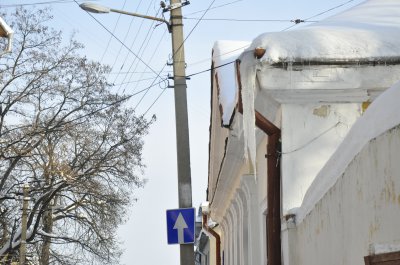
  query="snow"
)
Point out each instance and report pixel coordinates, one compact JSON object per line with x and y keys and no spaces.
{"x":376,"y":249}
{"x":248,"y":69}
{"x":369,"y":30}
{"x":43,"y":233}
{"x":226,"y":52}
{"x":381,"y":116}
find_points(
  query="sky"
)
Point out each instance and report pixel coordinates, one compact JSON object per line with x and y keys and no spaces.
{"x":119,"y":40}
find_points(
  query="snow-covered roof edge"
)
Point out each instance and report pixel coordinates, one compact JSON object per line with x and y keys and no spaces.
{"x":224,"y":54}
{"x":378,"y":119}
{"x":369,"y":30}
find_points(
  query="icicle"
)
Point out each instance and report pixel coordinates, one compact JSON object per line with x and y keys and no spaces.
{"x":248,"y":69}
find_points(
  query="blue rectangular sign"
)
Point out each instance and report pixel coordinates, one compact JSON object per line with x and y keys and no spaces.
{"x":181,"y":226}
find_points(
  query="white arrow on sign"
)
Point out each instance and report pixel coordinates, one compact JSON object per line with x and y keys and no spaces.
{"x":180,"y":225}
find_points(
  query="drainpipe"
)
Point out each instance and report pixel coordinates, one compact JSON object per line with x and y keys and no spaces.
{"x":273,"y":176}
{"x":205,"y":211}
{"x":274,"y":203}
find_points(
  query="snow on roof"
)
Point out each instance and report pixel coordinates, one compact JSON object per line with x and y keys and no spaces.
{"x":226,"y":52}
{"x":381,"y":116}
{"x":367,"y":31}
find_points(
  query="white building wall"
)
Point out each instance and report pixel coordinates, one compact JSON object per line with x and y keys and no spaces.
{"x":361,"y":209}
{"x":310,"y":134}
{"x":254,"y":234}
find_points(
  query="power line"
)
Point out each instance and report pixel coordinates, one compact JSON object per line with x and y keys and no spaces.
{"x":220,"y":55}
{"x":109,"y":40}
{"x":329,"y":10}
{"x":131,"y":82}
{"x":195,"y":26}
{"x":154,"y":102}
{"x":297,"y":21}
{"x":132,"y":72}
{"x":246,"y":20}
{"x":321,"y":13}
{"x":204,"y":71}
{"x":142,"y":48}
{"x":112,"y":103}
{"x":147,"y":88}
{"x":210,"y":69}
{"x":152,"y":56}
{"x":162,"y":69}
{"x":194,"y":74}
{"x":215,"y":7}
{"x":140,"y":59}
{"x":289,"y":27}
{"x":39,"y":3}
{"x":180,"y":47}
{"x":130,"y":50}
{"x":125,"y":37}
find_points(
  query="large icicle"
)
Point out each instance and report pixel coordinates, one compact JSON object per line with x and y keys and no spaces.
{"x":248,"y":68}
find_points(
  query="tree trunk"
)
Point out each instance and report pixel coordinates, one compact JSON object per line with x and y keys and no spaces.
{"x":48,"y":228}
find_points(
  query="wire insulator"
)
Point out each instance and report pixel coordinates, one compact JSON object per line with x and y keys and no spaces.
{"x":297,"y":21}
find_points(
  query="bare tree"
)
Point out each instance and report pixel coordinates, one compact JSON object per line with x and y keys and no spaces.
{"x":75,"y":142}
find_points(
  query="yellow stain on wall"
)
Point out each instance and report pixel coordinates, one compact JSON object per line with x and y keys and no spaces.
{"x":365,"y":105}
{"x":322,"y":111}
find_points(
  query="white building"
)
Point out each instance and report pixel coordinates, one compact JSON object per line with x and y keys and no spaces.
{"x":327,"y":190}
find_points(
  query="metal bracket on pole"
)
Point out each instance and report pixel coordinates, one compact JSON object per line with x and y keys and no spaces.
{"x":175,"y":6}
{"x":170,"y":86}
{"x":172,"y":77}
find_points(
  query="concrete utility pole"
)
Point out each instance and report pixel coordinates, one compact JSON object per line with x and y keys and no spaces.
{"x":182,"y":127}
{"x":175,"y":26}
{"x":25,"y":204}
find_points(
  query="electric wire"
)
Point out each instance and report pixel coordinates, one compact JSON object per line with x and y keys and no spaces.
{"x":195,"y":26}
{"x":135,"y":62}
{"x":109,"y":40}
{"x":125,"y":37}
{"x":131,"y":82}
{"x":133,"y":72}
{"x":215,"y":7}
{"x":137,"y":57}
{"x":319,"y":14}
{"x":113,"y":103}
{"x":210,"y":69}
{"x":145,"y":94}
{"x":180,"y":47}
{"x":151,"y":58}
{"x":313,"y":139}
{"x":142,"y":49}
{"x":130,"y":50}
{"x":333,"y":8}
{"x":154,"y":102}
{"x":218,"y":56}
{"x":289,"y":27}
{"x":145,"y":44}
{"x":245,"y":20}
{"x":39,"y":3}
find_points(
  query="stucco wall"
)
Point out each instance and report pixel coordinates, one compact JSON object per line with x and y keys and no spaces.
{"x":310,"y":134}
{"x":361,"y":209}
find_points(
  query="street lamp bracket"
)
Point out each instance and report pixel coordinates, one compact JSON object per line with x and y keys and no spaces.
{"x":175,"y":6}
